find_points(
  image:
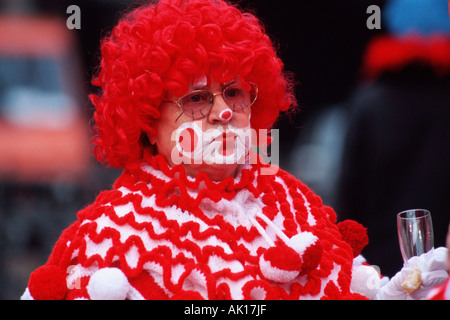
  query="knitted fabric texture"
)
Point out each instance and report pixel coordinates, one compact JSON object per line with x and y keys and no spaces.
{"x":162,"y":235}
{"x":441,"y":292}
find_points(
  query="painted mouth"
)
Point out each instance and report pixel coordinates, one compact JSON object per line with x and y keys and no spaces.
{"x":217,"y":145}
{"x":228,"y":143}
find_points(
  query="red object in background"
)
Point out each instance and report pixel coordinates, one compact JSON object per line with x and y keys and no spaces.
{"x":44,"y":134}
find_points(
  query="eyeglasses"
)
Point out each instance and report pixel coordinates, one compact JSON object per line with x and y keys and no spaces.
{"x":197,"y":104}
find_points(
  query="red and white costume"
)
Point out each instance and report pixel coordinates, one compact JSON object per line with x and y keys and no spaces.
{"x":160,"y":234}
{"x":440,"y":292}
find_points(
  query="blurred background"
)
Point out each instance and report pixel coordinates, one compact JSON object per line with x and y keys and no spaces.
{"x":48,"y":173}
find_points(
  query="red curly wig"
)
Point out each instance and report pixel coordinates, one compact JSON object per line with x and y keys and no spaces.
{"x":159,"y":49}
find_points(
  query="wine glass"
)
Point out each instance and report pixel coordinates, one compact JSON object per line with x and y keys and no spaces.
{"x":415,"y":232}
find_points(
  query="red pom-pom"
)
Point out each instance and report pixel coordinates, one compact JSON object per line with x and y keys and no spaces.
{"x":354,"y":234}
{"x":284,"y":258}
{"x":48,"y":283}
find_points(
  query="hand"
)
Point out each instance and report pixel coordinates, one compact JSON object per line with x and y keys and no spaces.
{"x":443,"y":292}
{"x":432,"y":266}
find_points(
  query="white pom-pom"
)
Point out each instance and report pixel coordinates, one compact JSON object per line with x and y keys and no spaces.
{"x":366,"y":281}
{"x":280,"y":264}
{"x":300,"y":242}
{"x":108,"y":284}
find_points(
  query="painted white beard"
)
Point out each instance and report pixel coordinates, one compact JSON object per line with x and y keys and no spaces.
{"x":210,"y":144}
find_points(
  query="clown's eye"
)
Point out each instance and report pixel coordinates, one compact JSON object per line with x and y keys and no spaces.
{"x":232,"y":93}
{"x":195,"y":99}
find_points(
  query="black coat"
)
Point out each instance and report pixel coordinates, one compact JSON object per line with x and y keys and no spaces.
{"x":397,"y":157}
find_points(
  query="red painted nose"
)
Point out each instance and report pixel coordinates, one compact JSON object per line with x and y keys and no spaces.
{"x":226,"y":114}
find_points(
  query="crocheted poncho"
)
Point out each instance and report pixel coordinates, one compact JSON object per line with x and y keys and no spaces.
{"x":159,"y":234}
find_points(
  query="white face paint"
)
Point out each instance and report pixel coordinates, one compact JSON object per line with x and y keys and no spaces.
{"x":214,"y":146}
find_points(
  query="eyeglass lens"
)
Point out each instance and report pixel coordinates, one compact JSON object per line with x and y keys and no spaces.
{"x":197,"y":103}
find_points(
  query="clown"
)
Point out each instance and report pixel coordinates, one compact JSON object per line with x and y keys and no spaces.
{"x":192,"y":216}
